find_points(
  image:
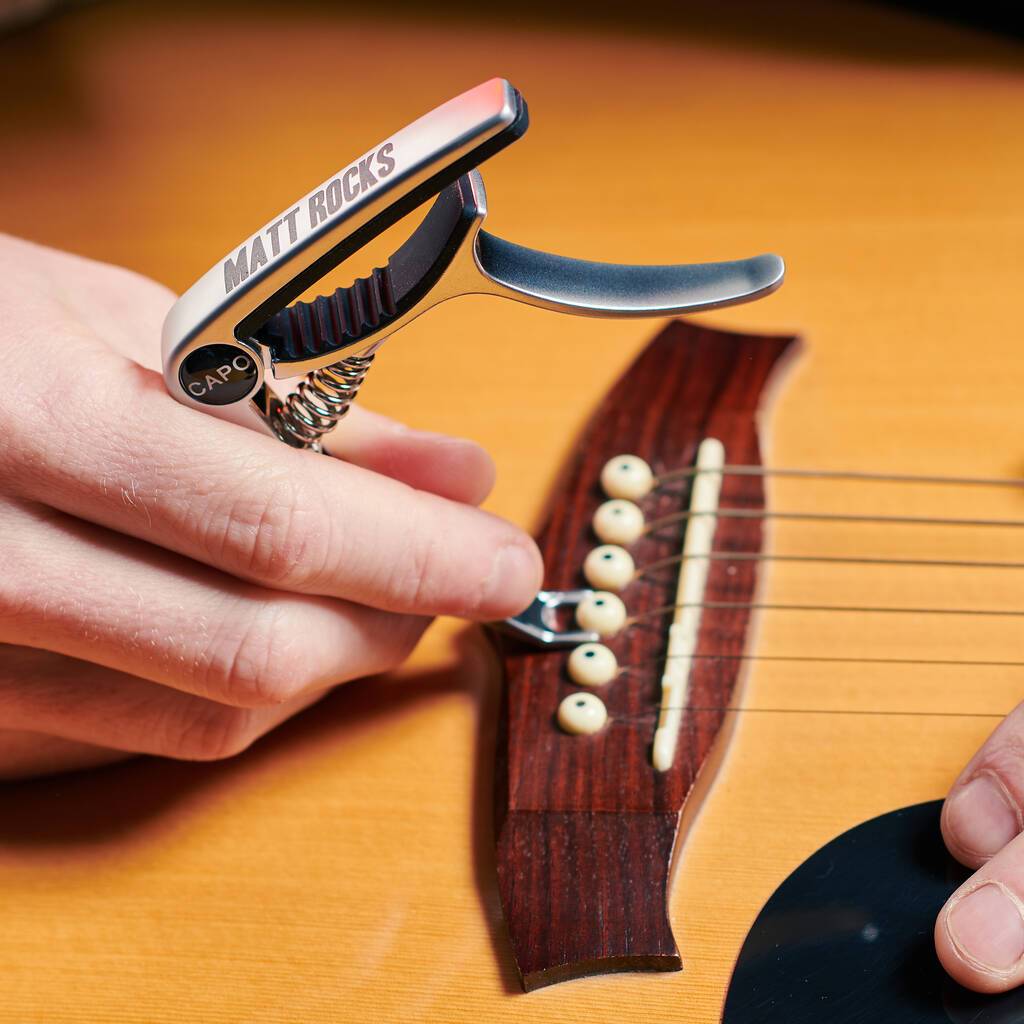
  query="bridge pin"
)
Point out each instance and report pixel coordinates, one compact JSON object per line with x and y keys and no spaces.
{"x":627,"y":476}
{"x":582,"y":714}
{"x":592,"y":665}
{"x":609,"y":567}
{"x":618,"y":522}
{"x":602,"y":613}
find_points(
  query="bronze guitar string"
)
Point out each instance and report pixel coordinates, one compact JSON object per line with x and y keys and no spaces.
{"x":689,"y":473}
{"x":832,"y":659}
{"x":845,"y":474}
{"x":833,"y":517}
{"x":652,"y":716}
{"x":853,"y":609}
{"x":749,"y":556}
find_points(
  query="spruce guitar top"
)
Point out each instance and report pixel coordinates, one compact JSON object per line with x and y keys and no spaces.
{"x":363,"y":862}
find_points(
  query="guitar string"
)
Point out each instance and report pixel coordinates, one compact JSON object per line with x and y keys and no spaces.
{"x":849,"y":609}
{"x":839,"y":517}
{"x":647,"y":717}
{"x":636,"y":668}
{"x":829,"y":517}
{"x":656,"y":709}
{"x":652,"y":715}
{"x":828,"y":659}
{"x":750,"y":556}
{"x":844,"y":474}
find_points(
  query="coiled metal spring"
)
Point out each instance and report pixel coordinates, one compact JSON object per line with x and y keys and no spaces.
{"x":320,"y":401}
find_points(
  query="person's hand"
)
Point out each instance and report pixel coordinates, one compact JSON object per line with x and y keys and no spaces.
{"x":979,"y":934}
{"x":173,"y":584}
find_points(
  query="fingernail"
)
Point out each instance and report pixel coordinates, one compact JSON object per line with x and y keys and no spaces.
{"x":982,"y":817}
{"x":514,"y":579}
{"x":987,"y":929}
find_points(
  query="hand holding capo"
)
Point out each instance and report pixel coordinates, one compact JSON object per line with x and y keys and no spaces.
{"x":175,"y":586}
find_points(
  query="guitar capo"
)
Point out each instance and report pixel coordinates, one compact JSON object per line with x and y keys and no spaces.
{"x":239,"y":327}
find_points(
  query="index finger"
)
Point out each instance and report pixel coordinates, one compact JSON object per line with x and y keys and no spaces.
{"x":117,"y":450}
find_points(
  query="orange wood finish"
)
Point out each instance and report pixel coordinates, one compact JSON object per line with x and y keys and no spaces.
{"x":343,"y":869}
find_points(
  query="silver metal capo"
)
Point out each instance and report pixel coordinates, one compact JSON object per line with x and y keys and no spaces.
{"x":239,"y":328}
{"x":538,"y":624}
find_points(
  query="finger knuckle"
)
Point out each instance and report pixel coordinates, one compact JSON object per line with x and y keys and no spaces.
{"x":210,"y":732}
{"x":1003,"y":754}
{"x":274,"y":532}
{"x":414,"y":577}
{"x":262,"y":663}
{"x":35,"y":420}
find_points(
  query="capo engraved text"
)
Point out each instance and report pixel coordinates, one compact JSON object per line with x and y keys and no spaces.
{"x":323,"y":204}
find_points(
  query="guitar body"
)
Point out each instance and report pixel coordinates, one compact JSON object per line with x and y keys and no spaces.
{"x":345,"y":867}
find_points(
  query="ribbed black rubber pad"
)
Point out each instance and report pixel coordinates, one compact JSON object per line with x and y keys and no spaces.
{"x":332,"y":322}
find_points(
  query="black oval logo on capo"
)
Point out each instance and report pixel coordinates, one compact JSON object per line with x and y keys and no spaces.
{"x":218,"y":374}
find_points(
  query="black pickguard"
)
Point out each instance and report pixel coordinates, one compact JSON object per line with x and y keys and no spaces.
{"x":848,"y":936}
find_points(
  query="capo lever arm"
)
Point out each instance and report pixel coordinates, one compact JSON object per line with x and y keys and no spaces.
{"x":588,"y":288}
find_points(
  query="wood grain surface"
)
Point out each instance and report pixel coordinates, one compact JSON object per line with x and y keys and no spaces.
{"x":343,"y":868}
{"x":593,"y":809}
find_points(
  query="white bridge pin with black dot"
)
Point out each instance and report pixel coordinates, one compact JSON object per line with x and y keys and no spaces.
{"x":609,"y":567}
{"x":602,"y":612}
{"x":627,"y":476}
{"x":618,"y":522}
{"x":582,"y":714}
{"x":593,"y":665}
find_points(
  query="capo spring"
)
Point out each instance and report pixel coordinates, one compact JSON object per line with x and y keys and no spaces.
{"x":320,"y":402}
